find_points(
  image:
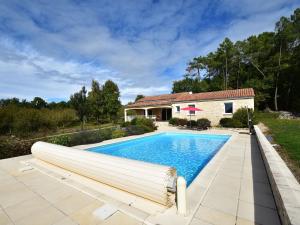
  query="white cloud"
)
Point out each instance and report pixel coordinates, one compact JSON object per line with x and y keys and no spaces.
{"x":52,"y":48}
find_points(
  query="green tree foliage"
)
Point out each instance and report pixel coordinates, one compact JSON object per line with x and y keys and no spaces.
{"x":138,"y":97}
{"x":268,"y":62}
{"x":59,"y":105}
{"x":189,"y":84}
{"x":79,"y":102}
{"x":96,"y":101}
{"x":111,"y":102}
{"x":39,"y":103}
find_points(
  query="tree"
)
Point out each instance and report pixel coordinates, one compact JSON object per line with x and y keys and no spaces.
{"x":195,"y":64}
{"x":79,"y":102}
{"x":268,"y":62}
{"x":138,"y":97}
{"x":96,"y":101}
{"x":189,"y":84}
{"x":111,"y":102}
{"x":39,"y":103}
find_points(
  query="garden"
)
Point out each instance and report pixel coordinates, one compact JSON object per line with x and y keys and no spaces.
{"x":238,"y":120}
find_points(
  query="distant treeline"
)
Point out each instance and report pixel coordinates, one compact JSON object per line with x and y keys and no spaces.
{"x":22,"y":118}
{"x":268,"y":62}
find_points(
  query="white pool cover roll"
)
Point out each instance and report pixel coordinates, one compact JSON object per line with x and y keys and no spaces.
{"x":147,"y":180}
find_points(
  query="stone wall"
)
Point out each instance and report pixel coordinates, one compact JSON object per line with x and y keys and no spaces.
{"x":213,"y":110}
{"x":286,"y":189}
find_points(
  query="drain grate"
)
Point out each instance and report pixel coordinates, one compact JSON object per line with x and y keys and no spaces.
{"x":105,"y":211}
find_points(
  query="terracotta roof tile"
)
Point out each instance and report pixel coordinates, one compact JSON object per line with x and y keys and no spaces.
{"x":168,"y":99}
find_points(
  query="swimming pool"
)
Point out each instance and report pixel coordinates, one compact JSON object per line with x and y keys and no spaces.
{"x":187,"y":152}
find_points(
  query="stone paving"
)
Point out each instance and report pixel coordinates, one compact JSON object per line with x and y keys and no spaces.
{"x":240,"y":192}
{"x":234,"y":189}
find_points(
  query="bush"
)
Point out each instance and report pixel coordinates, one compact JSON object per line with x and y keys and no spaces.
{"x":182,"y":122}
{"x":192,"y":123}
{"x":85,"y":137}
{"x":7,"y":119}
{"x":13,"y":147}
{"x":28,"y":120}
{"x":24,"y":121}
{"x":241,"y":115}
{"x":62,"y":117}
{"x":144,"y":122}
{"x":105,"y":134}
{"x":125,"y":124}
{"x":118,"y":133}
{"x":60,"y":140}
{"x":136,"y":130}
{"x":230,"y":122}
{"x":173,"y":121}
{"x":203,"y":124}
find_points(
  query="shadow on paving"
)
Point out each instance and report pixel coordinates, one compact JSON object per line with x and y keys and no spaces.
{"x":265,"y":210}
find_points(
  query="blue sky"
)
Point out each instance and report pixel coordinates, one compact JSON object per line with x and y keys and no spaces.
{"x":51,"y":48}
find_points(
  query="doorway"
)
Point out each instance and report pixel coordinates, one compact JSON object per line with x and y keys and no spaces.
{"x":166,"y":114}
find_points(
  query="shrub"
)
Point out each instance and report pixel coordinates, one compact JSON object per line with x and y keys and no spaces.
{"x":136,"y":130}
{"x":60,"y":140}
{"x":62,"y":117}
{"x":203,"y":123}
{"x":105,"y":134}
{"x":85,"y":137}
{"x":230,"y":122}
{"x":182,"y":122}
{"x":241,"y":115}
{"x":28,"y":120}
{"x":125,"y":124}
{"x":12,"y":147}
{"x":173,"y":121}
{"x":118,"y":133}
{"x":192,"y":123}
{"x":144,"y":122}
{"x":7,"y":119}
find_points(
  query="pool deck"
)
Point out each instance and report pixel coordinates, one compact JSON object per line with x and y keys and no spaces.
{"x":232,"y":189}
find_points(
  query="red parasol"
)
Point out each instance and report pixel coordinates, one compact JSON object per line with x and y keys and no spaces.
{"x":190,"y":108}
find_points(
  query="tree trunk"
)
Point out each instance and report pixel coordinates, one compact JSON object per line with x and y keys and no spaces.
{"x":226,"y":71}
{"x":224,"y":75}
{"x":198,"y":71}
{"x":238,"y":75}
{"x":277,"y":77}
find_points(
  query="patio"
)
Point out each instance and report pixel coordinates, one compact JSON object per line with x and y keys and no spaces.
{"x":232,"y":189}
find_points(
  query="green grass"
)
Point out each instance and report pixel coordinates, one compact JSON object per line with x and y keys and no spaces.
{"x":286,"y":133}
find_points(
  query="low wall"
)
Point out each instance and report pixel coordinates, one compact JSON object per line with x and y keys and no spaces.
{"x":147,"y":180}
{"x":285,"y":187}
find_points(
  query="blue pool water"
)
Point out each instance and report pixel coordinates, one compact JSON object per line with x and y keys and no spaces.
{"x":188,"y":153}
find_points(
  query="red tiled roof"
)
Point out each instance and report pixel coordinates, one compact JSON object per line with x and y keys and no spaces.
{"x":168,"y":99}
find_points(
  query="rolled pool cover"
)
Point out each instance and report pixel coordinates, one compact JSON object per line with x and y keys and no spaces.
{"x":147,"y":180}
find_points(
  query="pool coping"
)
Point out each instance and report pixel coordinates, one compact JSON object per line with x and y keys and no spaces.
{"x":285,"y":187}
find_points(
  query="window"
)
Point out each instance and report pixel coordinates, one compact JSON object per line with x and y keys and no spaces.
{"x":150,"y":112}
{"x":192,"y":112}
{"x":228,"y":107}
{"x":177,"y":108}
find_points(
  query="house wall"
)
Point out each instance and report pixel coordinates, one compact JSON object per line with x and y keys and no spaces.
{"x":212,"y":110}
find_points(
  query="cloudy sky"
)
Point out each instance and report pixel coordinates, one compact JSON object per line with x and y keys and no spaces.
{"x":51,"y":48}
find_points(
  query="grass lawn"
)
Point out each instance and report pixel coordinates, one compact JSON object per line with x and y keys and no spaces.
{"x":286,"y":133}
